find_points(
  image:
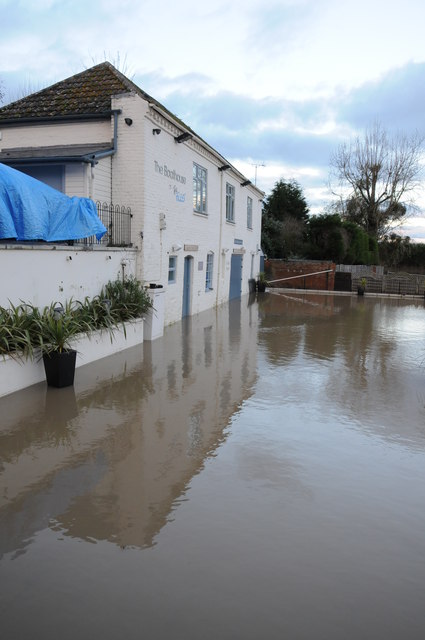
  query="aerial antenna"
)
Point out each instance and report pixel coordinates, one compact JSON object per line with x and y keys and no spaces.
{"x":256,"y":165}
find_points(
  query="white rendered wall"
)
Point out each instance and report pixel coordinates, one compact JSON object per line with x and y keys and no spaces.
{"x":128,"y":163}
{"x":101,"y":185}
{"x":47,"y":135}
{"x":76,"y":180}
{"x":55,"y":273}
{"x":171,"y":222}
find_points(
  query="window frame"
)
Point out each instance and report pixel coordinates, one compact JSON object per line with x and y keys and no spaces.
{"x":172,"y":270}
{"x":199,"y":189}
{"x":209,"y":271}
{"x":249,"y":203}
{"x":230,"y":202}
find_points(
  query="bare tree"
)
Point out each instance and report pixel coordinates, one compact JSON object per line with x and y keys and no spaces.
{"x":381,"y":174}
{"x":119,"y":62}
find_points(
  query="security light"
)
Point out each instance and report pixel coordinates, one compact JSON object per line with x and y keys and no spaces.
{"x":183,"y":136}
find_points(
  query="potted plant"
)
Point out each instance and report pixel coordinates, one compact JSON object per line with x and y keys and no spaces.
{"x":361,"y":288}
{"x":56,"y":325}
{"x":26,"y":331}
{"x":261,"y":282}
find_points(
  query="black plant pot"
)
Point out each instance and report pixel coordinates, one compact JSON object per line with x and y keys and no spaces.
{"x":360,"y":290}
{"x":60,"y":368}
{"x":261,"y":286}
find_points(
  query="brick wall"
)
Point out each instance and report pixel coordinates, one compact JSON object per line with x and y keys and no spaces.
{"x":276,"y":269}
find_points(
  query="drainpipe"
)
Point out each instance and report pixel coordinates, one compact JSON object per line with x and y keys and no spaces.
{"x":220,"y":239}
{"x":93,"y":158}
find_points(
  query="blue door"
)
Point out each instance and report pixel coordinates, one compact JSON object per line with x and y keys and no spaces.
{"x":235,"y":276}
{"x":187,"y":286}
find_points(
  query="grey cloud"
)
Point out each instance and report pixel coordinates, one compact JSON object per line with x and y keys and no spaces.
{"x":396,"y":100}
{"x":229,"y":123}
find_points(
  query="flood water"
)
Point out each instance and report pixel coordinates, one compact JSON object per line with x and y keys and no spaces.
{"x":257,"y":473}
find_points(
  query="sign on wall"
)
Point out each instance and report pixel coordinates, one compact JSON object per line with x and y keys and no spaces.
{"x":171,"y":174}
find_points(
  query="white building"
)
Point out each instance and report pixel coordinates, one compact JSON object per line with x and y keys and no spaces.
{"x":195,"y":221}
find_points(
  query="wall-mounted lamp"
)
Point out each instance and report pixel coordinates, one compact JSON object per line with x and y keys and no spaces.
{"x":176,"y":247}
{"x":156,"y":132}
{"x":183,"y":136}
{"x":224,"y":167}
{"x":128,"y":121}
{"x":224,"y":251}
{"x":245,"y":183}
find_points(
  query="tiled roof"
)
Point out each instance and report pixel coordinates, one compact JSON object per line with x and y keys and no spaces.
{"x":88,"y":92}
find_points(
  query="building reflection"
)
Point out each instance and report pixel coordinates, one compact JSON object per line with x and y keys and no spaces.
{"x":110,"y":459}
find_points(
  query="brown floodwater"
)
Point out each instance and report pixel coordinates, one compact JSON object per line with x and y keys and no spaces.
{"x":257,"y":473}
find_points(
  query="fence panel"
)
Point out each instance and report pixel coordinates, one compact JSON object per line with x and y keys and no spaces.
{"x":117,"y":220}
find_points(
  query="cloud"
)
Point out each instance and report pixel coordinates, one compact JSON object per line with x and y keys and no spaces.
{"x":280,"y":82}
{"x":396,"y":100}
{"x":270,"y":129}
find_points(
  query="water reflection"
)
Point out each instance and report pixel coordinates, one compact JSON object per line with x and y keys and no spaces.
{"x":257,"y":463}
{"x":108,"y":460}
{"x":361,"y":358}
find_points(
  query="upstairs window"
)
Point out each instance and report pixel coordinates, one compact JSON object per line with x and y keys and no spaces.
{"x":230,"y":202}
{"x":199,"y":189}
{"x":249,"y":212}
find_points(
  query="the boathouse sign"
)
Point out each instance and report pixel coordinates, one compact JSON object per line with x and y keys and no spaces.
{"x":172,"y":174}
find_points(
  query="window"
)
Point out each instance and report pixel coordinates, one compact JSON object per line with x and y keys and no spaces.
{"x":199,"y":189}
{"x":172,"y":264}
{"x":209,"y":272}
{"x":230,"y":203}
{"x":249,"y":213}
{"x":53,"y":175}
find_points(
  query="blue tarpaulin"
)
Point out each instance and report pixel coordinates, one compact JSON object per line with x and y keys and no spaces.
{"x":31,"y":210}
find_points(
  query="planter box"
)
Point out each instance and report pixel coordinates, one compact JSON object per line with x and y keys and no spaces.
{"x":19,"y":374}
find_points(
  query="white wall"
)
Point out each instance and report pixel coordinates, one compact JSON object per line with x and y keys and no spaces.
{"x":76,"y":179}
{"x":101,"y":185}
{"x":48,"y":134}
{"x":168,"y":204}
{"x":128,"y":163}
{"x":55,"y":273}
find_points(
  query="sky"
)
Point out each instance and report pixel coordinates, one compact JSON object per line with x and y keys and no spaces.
{"x":274,"y":85}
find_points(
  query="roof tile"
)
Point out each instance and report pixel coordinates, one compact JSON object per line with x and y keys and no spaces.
{"x":88,"y":92}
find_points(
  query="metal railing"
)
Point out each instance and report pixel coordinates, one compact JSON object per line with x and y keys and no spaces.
{"x":117,"y":220}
